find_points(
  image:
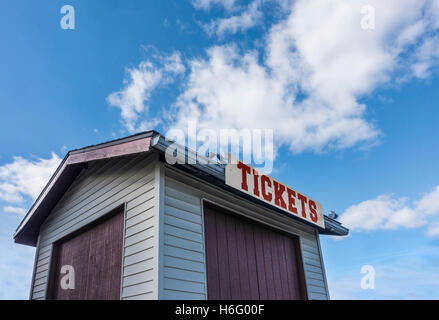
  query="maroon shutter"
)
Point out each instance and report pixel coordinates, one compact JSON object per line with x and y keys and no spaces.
{"x":247,"y":260}
{"x":96,"y":256}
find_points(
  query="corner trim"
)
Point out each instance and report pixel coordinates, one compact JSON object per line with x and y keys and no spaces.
{"x":159,"y":194}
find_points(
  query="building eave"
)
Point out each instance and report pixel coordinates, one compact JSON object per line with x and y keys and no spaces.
{"x":212,"y":170}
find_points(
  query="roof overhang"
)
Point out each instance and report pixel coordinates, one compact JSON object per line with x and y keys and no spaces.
{"x":77,"y":160}
{"x":71,"y":166}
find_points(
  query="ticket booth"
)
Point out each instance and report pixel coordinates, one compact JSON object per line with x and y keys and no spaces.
{"x":117,"y":221}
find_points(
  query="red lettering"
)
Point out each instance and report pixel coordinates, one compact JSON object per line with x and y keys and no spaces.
{"x":313,"y":210}
{"x":291,"y":200}
{"x":266,"y":180}
{"x":302,"y":201}
{"x":255,"y":183}
{"x":245,"y":169}
{"x":279,"y":189}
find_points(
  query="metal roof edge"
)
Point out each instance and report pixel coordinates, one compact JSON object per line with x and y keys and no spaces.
{"x":333,"y":227}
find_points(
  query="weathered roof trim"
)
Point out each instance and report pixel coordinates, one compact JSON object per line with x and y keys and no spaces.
{"x":110,"y":151}
{"x":136,"y":136}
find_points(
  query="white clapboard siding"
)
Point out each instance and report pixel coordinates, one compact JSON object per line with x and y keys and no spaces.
{"x":105,"y":185}
{"x":183,"y":256}
{"x":184,"y":261}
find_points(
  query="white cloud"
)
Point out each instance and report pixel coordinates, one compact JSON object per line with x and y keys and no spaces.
{"x":433,"y":9}
{"x":316,"y":66}
{"x":426,"y":57}
{"x":24,"y":178}
{"x":239,"y":18}
{"x":305,"y":83}
{"x":16,"y":210}
{"x":140,"y":82}
{"x":429,"y":202}
{"x":250,"y":17}
{"x":385,"y":212}
{"x":207,"y":4}
{"x":433,"y":229}
{"x":229,"y":90}
{"x":342,"y":61}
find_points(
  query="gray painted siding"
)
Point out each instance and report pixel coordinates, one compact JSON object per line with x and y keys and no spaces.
{"x":104,"y":186}
{"x":184,"y":267}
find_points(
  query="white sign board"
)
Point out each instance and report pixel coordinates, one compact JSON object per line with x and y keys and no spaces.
{"x":247,"y":179}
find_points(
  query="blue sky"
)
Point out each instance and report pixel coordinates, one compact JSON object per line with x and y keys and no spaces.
{"x":354,"y":111}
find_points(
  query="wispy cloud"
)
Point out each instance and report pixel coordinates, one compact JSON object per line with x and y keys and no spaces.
{"x":207,"y":4}
{"x":139,"y":84}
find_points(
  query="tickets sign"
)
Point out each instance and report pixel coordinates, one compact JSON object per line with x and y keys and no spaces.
{"x":247,"y":179}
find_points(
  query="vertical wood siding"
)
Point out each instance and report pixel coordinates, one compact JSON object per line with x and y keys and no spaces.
{"x":247,"y":261}
{"x":99,"y":189}
{"x":184,"y":258}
